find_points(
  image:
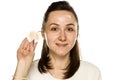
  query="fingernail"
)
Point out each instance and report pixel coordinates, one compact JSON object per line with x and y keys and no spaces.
{"x":33,"y":41}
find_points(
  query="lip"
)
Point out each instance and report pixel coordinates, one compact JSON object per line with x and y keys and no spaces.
{"x":61,"y":45}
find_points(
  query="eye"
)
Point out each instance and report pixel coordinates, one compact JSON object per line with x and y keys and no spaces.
{"x":54,"y":29}
{"x":70,"y":29}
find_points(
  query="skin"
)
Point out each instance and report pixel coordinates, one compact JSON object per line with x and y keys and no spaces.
{"x":25,"y":55}
{"x":60,"y":34}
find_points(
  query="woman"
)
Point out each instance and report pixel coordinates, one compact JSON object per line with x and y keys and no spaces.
{"x":60,"y":54}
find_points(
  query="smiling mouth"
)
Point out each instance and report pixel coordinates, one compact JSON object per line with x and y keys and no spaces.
{"x":61,"y":45}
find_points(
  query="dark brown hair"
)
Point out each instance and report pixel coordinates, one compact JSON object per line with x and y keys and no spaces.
{"x":74,"y":64}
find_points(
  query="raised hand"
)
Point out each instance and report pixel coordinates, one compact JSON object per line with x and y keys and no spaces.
{"x":25,"y":55}
{"x":26,"y":50}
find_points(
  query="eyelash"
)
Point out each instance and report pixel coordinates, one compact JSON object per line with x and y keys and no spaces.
{"x":68,"y":29}
{"x":53,"y":29}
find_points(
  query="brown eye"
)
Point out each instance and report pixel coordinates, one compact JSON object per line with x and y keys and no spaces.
{"x":70,"y":29}
{"x":54,"y":29}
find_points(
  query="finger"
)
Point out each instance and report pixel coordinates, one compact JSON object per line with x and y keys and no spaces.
{"x":32,"y":45}
{"x":28,"y":47}
{"x":35,"y":44}
{"x":24,"y":44}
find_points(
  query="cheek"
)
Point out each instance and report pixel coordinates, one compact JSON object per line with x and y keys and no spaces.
{"x":72,"y":39}
{"x":50,"y":38}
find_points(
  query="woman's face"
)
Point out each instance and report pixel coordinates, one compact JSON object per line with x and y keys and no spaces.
{"x":60,"y":32}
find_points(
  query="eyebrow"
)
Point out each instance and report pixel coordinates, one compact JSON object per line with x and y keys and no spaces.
{"x":53,"y":24}
{"x":70,"y":24}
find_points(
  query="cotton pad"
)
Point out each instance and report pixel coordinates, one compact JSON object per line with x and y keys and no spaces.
{"x":33,"y":35}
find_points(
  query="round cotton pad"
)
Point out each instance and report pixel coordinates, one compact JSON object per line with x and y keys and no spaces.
{"x":33,"y":35}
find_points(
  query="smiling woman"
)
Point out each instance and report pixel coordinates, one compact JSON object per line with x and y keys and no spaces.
{"x":61,"y":34}
{"x":60,"y":53}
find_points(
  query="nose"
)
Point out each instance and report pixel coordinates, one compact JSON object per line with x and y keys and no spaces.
{"x":62,"y":36}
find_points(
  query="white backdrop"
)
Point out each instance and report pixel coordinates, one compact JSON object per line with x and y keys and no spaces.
{"x":99,"y":32}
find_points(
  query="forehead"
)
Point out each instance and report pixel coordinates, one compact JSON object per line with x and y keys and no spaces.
{"x":61,"y":16}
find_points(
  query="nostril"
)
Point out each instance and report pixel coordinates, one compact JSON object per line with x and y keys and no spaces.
{"x":62,"y":38}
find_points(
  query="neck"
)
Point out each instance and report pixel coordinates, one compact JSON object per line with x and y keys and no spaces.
{"x":59,"y":62}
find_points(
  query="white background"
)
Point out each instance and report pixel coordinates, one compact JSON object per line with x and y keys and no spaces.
{"x":99,"y":32}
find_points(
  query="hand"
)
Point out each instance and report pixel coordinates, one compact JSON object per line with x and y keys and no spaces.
{"x":26,"y":51}
{"x":25,"y":55}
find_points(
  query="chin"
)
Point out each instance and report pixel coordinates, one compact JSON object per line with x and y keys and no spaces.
{"x":62,"y":53}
